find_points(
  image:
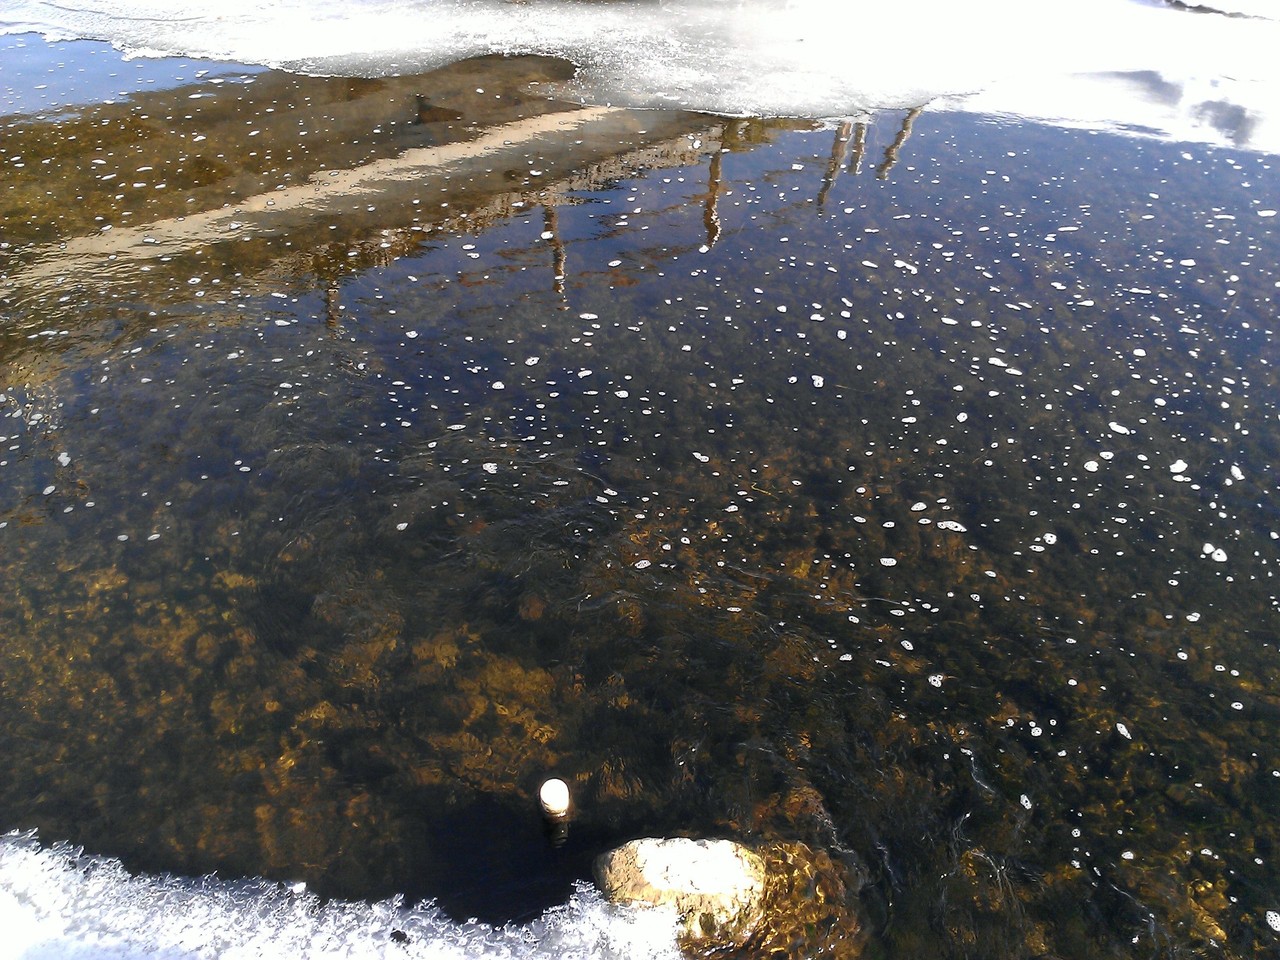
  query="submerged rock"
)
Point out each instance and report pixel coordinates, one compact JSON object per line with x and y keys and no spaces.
{"x":716,"y":886}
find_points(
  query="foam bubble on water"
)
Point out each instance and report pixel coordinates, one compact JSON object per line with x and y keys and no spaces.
{"x":57,"y":903}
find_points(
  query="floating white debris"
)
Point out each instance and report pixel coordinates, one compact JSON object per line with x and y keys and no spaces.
{"x":918,"y":506}
{"x":888,"y":562}
{"x":1178,"y":466}
{"x":1119,"y":428}
{"x":1273,"y":920}
{"x":554,"y":798}
{"x":952,"y":525}
{"x":489,"y":467}
{"x":1050,"y":538}
{"x":643,"y":564}
{"x":818,"y":381}
{"x":1091,"y":466}
{"x":1123,"y":731}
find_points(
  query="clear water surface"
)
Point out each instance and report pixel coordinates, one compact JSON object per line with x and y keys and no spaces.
{"x":904,"y":488}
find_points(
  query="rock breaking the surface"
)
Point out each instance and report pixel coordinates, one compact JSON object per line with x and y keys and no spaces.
{"x":781,"y":899}
{"x":716,"y":886}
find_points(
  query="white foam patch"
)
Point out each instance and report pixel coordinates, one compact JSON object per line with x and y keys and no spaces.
{"x":1113,"y":63}
{"x":56,"y":904}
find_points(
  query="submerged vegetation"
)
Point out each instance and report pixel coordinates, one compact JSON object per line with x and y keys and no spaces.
{"x":906,"y":500}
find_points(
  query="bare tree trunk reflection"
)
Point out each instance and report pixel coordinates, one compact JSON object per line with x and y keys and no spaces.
{"x":859,"y":147}
{"x":332,"y":306}
{"x":711,"y":212}
{"x":843,"y":132}
{"x":891,"y":152}
{"x":551,"y":231}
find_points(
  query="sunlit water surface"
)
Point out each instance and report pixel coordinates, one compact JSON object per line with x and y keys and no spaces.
{"x":906,"y":489}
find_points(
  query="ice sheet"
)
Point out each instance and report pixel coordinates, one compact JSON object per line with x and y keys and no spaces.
{"x":57,"y":904}
{"x":819,"y":58}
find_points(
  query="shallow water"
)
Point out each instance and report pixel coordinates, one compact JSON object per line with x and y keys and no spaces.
{"x":904,"y":488}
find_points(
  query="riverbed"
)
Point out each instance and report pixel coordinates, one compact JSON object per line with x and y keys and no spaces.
{"x":901,"y":485}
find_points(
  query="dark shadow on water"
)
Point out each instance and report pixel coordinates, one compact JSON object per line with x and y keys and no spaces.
{"x":501,"y":862}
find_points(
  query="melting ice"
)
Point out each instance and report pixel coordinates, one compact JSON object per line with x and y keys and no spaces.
{"x":57,"y":903}
{"x":1154,"y":68}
